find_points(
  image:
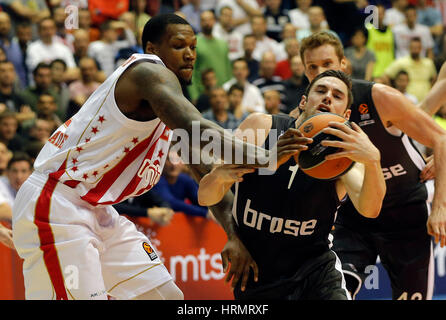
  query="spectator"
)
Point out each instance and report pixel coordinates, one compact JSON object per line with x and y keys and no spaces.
{"x":150,"y":205}
{"x":9,"y":97}
{"x":85,"y":23}
{"x":283,"y":68}
{"x":395,"y":15}
{"x":33,"y":148}
{"x":209,"y":80}
{"x":296,"y":85}
{"x":267,"y":80}
{"x":12,"y":48}
{"x":422,"y":72}
{"x":289,"y":31}
{"x":58,"y":69}
{"x":176,"y":187}
{"x":8,"y":131}
{"x":410,"y":29}
{"x":263,"y":42}
{"x":40,"y":131}
{"x":430,"y":17}
{"x":219,"y":110}
{"x":381,"y":42}
{"x":42,"y":80}
{"x":81,"y":90}
{"x":401,"y":82}
{"x":249,"y":44}
{"x":316,"y":16}
{"x":59,"y":17}
{"x":18,"y":170}
{"x":23,"y":39}
{"x":33,"y":11}
{"x":272,"y":101}
{"x":47,"y":49}
{"x":5,"y":156}
{"x":211,"y":53}
{"x":235,"y":99}
{"x":299,"y":15}
{"x":243,"y":11}
{"x":276,"y":18}
{"x":252,"y":97}
{"x":141,"y":15}
{"x":361,"y":58}
{"x":46,"y":109}
{"x":192,"y":12}
{"x":106,"y":49}
{"x":224,"y":29}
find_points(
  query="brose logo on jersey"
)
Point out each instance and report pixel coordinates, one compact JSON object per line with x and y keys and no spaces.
{"x":257,"y":220}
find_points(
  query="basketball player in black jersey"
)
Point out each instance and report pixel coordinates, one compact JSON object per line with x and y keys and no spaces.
{"x":284,"y":219}
{"x":400,"y":235}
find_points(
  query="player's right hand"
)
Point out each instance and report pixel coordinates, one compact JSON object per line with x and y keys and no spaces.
{"x":6,"y":237}
{"x":241,"y":261}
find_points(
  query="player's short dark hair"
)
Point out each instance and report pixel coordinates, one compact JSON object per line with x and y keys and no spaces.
{"x":156,"y":27}
{"x":20,"y":156}
{"x":336,"y":74}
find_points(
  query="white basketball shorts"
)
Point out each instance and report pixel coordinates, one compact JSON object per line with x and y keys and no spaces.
{"x":72,"y":250}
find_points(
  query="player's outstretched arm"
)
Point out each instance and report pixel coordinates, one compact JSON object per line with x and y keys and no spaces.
{"x":364,"y":183}
{"x":437,"y":94}
{"x":395,"y":109}
{"x":161,"y":88}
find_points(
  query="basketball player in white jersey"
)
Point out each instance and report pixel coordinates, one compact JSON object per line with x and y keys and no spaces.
{"x":74,"y":244}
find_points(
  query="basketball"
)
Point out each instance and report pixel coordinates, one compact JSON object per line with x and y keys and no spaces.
{"x":312,"y":161}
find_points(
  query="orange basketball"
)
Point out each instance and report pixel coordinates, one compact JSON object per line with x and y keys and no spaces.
{"x":312,"y":161}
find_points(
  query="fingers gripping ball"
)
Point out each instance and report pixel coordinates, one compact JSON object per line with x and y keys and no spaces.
{"x":312,"y":161}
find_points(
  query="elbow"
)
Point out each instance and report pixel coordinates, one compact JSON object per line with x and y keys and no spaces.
{"x":371,"y":213}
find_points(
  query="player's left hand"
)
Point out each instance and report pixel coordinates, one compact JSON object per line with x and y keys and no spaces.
{"x":355,"y":143}
{"x":241,"y":261}
{"x":436,"y":226}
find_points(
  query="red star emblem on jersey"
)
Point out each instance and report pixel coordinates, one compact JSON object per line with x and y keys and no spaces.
{"x":101,"y":119}
{"x":85,"y":176}
{"x":87,"y":140}
{"x":126,"y":149}
{"x":74,"y":169}
{"x":74,"y":160}
{"x":79,"y":149}
{"x":95,"y":173}
{"x":94,"y":130}
{"x":160,"y":154}
{"x":135,"y":140}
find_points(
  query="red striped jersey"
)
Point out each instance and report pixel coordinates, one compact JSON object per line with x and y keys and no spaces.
{"x":100,"y":153}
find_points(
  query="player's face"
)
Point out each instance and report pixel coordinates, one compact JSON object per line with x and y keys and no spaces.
{"x":328,"y":94}
{"x":321,"y":59}
{"x":177,"y":50}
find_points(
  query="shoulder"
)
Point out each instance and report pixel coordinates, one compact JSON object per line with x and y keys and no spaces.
{"x":153,"y":72}
{"x":257,"y":120}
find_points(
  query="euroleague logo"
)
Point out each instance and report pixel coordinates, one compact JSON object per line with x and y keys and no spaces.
{"x":149,"y":172}
{"x":363,"y":108}
{"x":149,"y":250}
{"x":308,"y":127}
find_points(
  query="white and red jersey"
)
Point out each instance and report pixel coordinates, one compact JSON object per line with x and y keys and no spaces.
{"x":100,"y":153}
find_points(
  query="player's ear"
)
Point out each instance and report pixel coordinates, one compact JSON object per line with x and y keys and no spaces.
{"x":151,"y":48}
{"x":302,"y":103}
{"x":347,"y":114}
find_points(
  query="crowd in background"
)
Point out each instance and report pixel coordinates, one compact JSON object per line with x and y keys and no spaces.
{"x":52,"y":58}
